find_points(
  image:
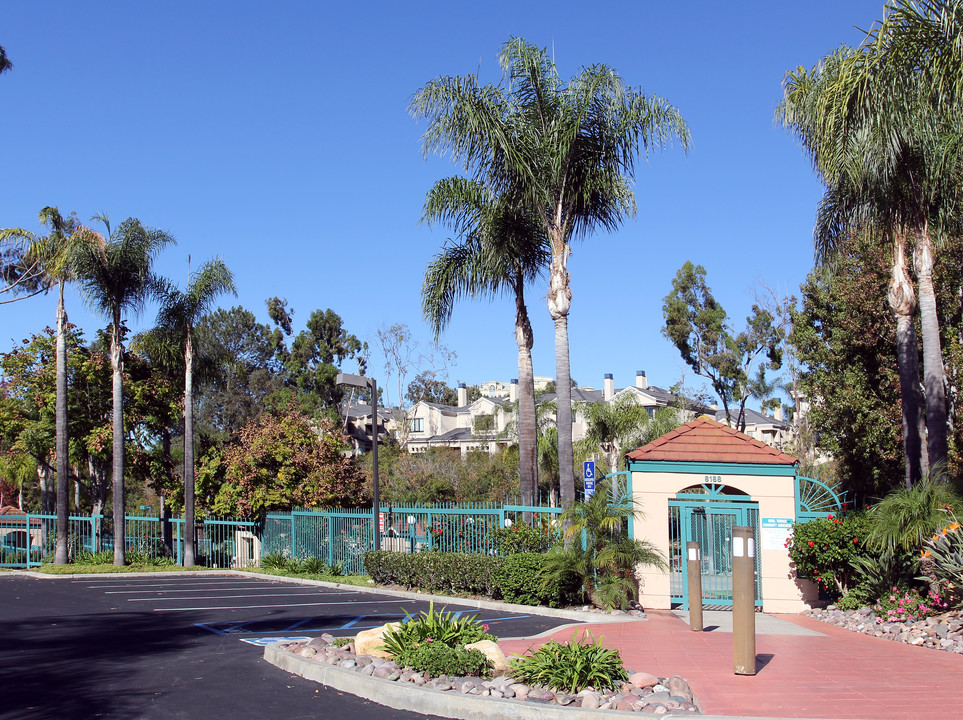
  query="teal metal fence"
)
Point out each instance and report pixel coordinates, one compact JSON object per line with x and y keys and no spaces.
{"x":339,"y":537}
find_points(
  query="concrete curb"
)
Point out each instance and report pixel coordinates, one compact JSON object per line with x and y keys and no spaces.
{"x":447,"y":703}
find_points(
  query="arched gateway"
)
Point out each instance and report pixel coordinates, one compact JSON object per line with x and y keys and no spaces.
{"x":695,"y":484}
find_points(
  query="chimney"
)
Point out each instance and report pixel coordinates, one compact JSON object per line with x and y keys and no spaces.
{"x":513,"y":390}
{"x":640,"y":380}
{"x":462,"y":395}
{"x":777,"y":413}
{"x":608,"y":386}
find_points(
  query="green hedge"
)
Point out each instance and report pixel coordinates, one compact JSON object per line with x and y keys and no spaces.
{"x":440,"y":572}
{"x":515,"y":578}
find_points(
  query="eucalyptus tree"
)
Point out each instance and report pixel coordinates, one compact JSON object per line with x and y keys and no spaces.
{"x":566,"y":148}
{"x":500,"y":248}
{"x":890,"y":161}
{"x":179,"y":314}
{"x":47,"y":261}
{"x":116,"y":279}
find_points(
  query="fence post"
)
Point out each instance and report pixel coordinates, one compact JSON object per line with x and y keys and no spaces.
{"x":180,"y":547}
{"x":329,"y":519}
{"x":294,"y":540}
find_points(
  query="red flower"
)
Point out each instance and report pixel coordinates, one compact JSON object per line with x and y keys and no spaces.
{"x":829,"y":517}
{"x":811,"y":543}
{"x":855,"y":540}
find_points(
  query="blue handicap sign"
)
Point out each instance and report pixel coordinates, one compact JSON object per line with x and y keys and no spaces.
{"x":589,"y":470}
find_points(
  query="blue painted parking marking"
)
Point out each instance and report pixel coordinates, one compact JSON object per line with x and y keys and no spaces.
{"x":262,"y":641}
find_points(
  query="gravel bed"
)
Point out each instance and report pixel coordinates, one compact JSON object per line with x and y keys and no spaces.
{"x":642,"y":693}
{"x":940,"y":632}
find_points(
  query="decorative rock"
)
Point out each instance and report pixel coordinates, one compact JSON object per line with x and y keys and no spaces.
{"x":367,"y":642}
{"x":494,"y":654}
{"x":644,"y":692}
{"x":643,"y":679}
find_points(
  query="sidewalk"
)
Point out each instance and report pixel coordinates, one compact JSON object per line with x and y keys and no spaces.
{"x":805,"y":668}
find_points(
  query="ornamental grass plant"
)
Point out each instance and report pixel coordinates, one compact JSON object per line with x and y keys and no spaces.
{"x":571,"y":667}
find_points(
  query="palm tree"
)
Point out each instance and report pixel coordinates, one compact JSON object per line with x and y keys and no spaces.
{"x":116,"y":280}
{"x":48,"y":261}
{"x":566,"y":149}
{"x":603,"y":565}
{"x":500,"y":249}
{"x":887,"y":165}
{"x":179,"y":313}
{"x":611,"y":427}
{"x":5,"y":63}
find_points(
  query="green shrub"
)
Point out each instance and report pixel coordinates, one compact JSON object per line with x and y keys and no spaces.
{"x":430,"y":626}
{"x":520,"y":578}
{"x":446,"y":573}
{"x":342,"y":642}
{"x":436,"y":658}
{"x":521,"y":538}
{"x":571,"y":667}
{"x":824,"y":550}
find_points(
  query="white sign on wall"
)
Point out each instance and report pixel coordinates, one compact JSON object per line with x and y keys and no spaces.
{"x":775,"y":533}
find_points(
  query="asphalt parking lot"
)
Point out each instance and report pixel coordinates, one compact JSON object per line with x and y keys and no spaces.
{"x":176,"y":646}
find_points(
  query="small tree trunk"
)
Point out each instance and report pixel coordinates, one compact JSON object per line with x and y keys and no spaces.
{"x":63,"y":492}
{"x":559,"y":304}
{"x":189,"y":453}
{"x":117,"y":362}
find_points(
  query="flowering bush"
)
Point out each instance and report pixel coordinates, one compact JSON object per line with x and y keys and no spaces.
{"x":902,"y":605}
{"x":824,"y":549}
{"x":942,"y":555}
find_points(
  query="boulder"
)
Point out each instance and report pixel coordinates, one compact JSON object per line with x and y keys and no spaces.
{"x":494,"y":653}
{"x":643,"y":679}
{"x":369,"y":642}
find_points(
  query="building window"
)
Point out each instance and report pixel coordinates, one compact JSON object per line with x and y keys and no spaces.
{"x":484,"y":423}
{"x":416,"y":425}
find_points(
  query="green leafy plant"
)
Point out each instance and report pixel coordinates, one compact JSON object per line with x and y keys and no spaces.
{"x":603,"y":567}
{"x":942,"y":555}
{"x":342,"y":641}
{"x":312,"y":566}
{"x":908,"y":516}
{"x":431,"y":626}
{"x":275,"y":561}
{"x":447,"y":573}
{"x":571,"y":666}
{"x":436,"y":658}
{"x":85,"y":557}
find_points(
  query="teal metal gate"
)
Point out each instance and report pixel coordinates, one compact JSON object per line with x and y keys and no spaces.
{"x":710,"y":524}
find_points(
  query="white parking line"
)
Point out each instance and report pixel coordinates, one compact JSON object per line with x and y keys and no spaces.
{"x":218,"y":597}
{"x":277,"y":605}
{"x":239,"y":587}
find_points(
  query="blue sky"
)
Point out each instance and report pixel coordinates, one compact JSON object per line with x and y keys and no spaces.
{"x":276,"y":135}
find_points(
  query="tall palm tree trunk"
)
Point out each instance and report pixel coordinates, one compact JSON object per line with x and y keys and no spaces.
{"x":188,"y":452}
{"x":527,"y":455}
{"x":559,"y":304}
{"x":934,"y":378}
{"x":63,"y":466}
{"x":902,"y":302}
{"x":117,"y":362}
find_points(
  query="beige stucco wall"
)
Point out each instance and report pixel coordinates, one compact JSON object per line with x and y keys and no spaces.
{"x":781,"y":592}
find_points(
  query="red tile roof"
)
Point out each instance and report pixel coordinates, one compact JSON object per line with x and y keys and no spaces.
{"x":705,"y":440}
{"x":10,"y":510}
